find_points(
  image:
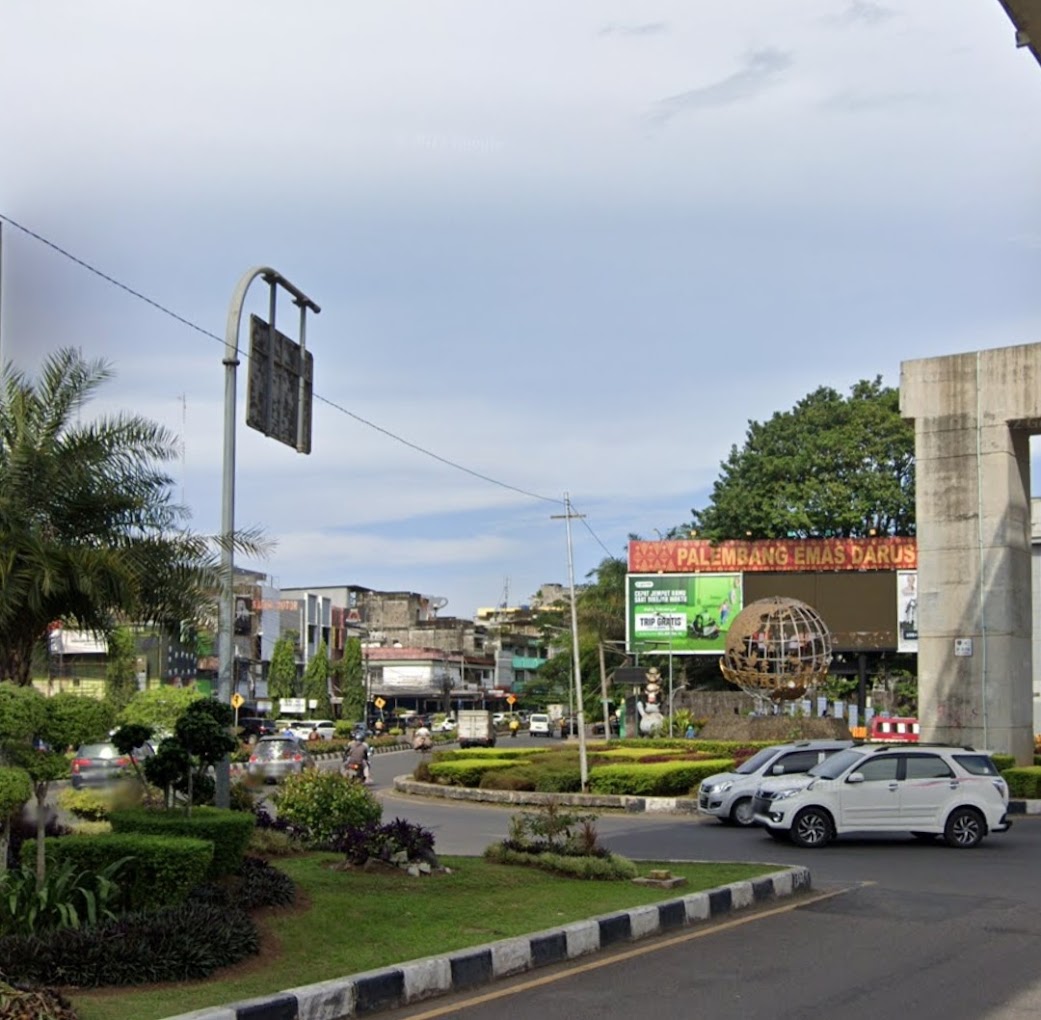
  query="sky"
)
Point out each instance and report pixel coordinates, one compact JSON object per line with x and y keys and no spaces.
{"x":569,"y":248}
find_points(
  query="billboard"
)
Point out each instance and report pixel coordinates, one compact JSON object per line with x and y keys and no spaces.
{"x":685,"y":614}
{"x":907,"y":610}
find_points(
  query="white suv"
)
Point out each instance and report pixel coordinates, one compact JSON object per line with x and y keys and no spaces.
{"x":956,"y":792}
{"x":728,"y":795}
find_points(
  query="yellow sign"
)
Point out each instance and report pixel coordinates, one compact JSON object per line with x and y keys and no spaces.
{"x":379,"y":702}
{"x":510,"y":699}
{"x":237,"y":700}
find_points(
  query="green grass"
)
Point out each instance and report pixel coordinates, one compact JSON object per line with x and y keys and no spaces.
{"x":358,"y":921}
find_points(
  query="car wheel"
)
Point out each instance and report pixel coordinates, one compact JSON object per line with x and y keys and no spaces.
{"x":812,"y":828}
{"x":964,"y":829}
{"x":741,"y":813}
{"x":924,"y":837}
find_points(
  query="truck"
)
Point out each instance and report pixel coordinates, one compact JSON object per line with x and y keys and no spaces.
{"x":475,"y":728}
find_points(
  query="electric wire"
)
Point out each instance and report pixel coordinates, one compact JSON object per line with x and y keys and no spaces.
{"x":158,"y":306}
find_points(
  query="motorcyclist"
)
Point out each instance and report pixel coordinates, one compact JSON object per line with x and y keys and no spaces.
{"x":514,"y":726}
{"x":356,"y":759}
{"x":422,"y":740}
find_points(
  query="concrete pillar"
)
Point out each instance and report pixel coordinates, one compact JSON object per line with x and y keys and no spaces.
{"x":973,"y":416}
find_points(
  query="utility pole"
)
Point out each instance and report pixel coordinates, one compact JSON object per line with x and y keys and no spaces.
{"x":575,"y":657}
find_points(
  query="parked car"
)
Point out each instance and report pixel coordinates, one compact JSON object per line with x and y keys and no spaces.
{"x":252,"y":728}
{"x":929,"y":791}
{"x":302,"y":728}
{"x":274,"y":758}
{"x":446,"y":725}
{"x":728,"y":795}
{"x":101,"y":764}
{"x":500,"y":719}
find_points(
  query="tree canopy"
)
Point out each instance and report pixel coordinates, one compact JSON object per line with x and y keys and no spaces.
{"x":832,"y":466}
{"x":88,"y":529}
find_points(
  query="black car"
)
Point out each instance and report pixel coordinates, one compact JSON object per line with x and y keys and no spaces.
{"x":252,"y":728}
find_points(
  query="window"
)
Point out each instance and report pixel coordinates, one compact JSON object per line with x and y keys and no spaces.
{"x":799,"y":761}
{"x":977,"y":764}
{"x":879,"y":770}
{"x":927,"y":766}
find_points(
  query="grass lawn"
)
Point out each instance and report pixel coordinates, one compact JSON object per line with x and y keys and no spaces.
{"x":347,"y":922}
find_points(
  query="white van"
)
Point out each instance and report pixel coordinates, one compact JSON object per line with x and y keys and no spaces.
{"x":538,"y":725}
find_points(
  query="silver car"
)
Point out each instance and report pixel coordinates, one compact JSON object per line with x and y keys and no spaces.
{"x":274,"y":758}
{"x":102,"y":765}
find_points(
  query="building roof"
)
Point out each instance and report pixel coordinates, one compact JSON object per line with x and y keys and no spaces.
{"x":1026,"y":16}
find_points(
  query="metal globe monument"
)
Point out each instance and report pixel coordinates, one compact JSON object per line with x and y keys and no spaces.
{"x":777,"y":649}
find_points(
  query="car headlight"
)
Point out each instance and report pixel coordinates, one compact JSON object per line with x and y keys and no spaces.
{"x":785,"y":794}
{"x":718,"y":787}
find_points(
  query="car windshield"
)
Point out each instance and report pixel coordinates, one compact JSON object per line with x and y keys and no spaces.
{"x":977,"y":764}
{"x":833,"y":767}
{"x":98,"y":751}
{"x":271,"y":749}
{"x":756,"y":762}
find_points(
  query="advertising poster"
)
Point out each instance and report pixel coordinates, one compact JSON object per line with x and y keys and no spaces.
{"x":907,"y":610}
{"x":687,"y":613}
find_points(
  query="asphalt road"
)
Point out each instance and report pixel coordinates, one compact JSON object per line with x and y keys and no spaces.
{"x":895,"y":928}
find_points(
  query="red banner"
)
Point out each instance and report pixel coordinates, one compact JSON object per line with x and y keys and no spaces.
{"x":692,"y":556}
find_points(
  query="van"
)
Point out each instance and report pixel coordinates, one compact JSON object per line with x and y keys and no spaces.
{"x":538,"y":724}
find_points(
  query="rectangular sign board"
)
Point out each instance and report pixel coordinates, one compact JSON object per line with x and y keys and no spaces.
{"x":685,"y":614}
{"x":275,"y":367}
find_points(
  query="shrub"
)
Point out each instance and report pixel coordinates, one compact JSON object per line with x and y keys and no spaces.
{"x":68,"y":897}
{"x":181,"y":943}
{"x":519,"y":778}
{"x":261,"y":885}
{"x":609,"y":868}
{"x":273,"y":843}
{"x":666,"y":779}
{"x":325,"y":802}
{"x":466,"y":771}
{"x":1024,"y":782}
{"x":228,"y":831}
{"x":501,"y":753}
{"x":97,"y":805}
{"x":1004,"y":761}
{"x":161,"y":870}
{"x":397,"y":839}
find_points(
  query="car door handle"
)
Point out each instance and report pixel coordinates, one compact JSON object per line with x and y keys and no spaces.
{"x":893,"y":787}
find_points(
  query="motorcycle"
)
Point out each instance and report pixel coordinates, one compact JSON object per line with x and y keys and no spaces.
{"x":353,"y":770}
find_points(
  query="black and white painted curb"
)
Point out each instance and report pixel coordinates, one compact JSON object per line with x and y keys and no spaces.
{"x":393,"y":987}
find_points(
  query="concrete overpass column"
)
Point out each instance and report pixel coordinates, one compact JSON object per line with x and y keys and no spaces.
{"x":973,"y":416}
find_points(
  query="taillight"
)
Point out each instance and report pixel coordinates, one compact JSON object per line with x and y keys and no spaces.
{"x":298,"y":757}
{"x":79,"y":763}
{"x":253,"y":759}
{"x":122,"y":762}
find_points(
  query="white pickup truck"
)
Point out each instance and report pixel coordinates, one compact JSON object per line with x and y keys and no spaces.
{"x":475,"y":728}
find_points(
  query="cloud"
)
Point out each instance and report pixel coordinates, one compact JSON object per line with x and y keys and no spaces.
{"x":864,"y":12}
{"x":643,"y":29}
{"x":761,"y":69}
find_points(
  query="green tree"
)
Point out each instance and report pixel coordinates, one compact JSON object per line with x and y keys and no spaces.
{"x":349,"y":672}
{"x":159,"y":708}
{"x":316,"y":681}
{"x":121,"y":668}
{"x":74,"y":719}
{"x":89,"y":532}
{"x":833,"y":466}
{"x":281,"y":677}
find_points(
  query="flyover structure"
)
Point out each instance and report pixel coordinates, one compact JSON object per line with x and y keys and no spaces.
{"x":973,"y":415}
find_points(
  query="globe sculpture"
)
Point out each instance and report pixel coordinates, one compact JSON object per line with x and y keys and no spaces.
{"x":777,"y":648}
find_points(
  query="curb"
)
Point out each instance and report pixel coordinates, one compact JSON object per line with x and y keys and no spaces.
{"x":397,"y":986}
{"x":1024,"y":807}
{"x":620,"y":802}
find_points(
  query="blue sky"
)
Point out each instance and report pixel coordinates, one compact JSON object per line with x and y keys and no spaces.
{"x":573,"y":247}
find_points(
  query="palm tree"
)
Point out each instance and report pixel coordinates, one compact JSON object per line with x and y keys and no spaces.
{"x":88,"y":531}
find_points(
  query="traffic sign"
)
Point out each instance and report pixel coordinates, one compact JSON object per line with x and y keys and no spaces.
{"x":511,"y":699}
{"x":379,"y":702}
{"x":237,"y":700}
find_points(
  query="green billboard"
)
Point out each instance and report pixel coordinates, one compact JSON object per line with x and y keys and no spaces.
{"x":687,"y":614}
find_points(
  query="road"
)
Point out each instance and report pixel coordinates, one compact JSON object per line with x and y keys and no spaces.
{"x":896,"y":928}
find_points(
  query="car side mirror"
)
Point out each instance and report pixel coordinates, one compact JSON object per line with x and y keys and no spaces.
{"x":777,"y":770}
{"x":855,"y":777}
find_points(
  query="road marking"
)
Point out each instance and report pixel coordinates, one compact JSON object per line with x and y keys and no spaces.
{"x":629,"y":954}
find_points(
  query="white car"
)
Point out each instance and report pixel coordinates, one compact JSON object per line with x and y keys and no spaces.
{"x":954,"y":792}
{"x":302,"y":728}
{"x":446,"y":725}
{"x":539,"y":725}
{"x":728,"y":795}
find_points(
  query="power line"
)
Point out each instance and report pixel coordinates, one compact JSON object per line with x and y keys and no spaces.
{"x":325,"y":400}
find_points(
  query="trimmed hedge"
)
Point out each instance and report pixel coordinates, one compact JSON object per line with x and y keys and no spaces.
{"x":609,"y":868}
{"x":558,"y":778}
{"x":228,"y":831}
{"x":663,"y":779}
{"x":162,"y":869}
{"x":1003,"y":761}
{"x":475,"y":753}
{"x":181,"y":943}
{"x":636,"y":753}
{"x":466,"y":772}
{"x":1024,"y":782}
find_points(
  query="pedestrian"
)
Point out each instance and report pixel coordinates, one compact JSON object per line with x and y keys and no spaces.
{"x":690,"y":731}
